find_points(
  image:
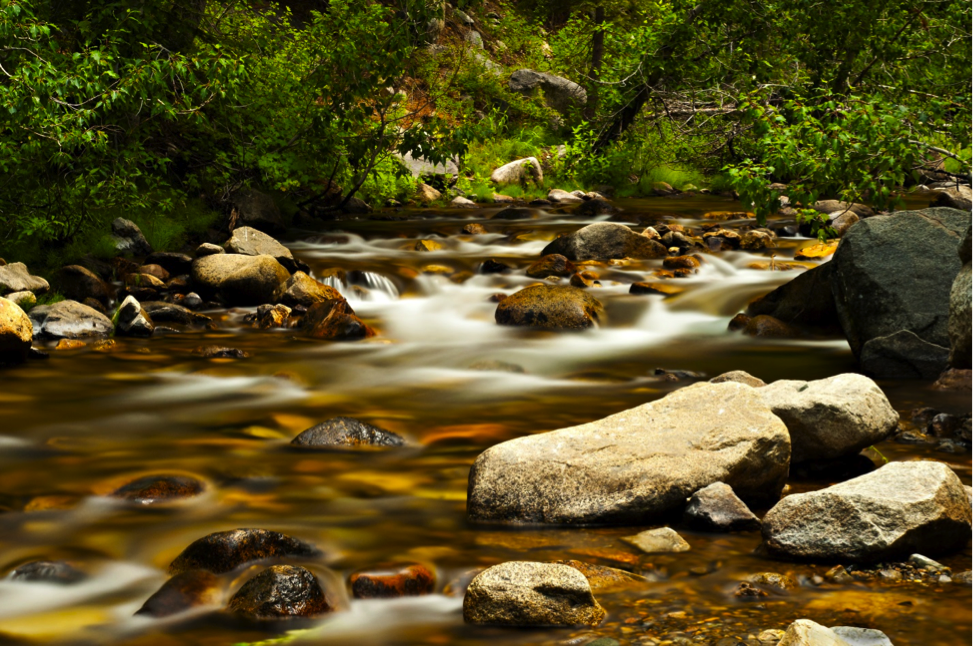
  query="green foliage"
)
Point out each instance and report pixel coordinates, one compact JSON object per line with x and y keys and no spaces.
{"x":49,"y":298}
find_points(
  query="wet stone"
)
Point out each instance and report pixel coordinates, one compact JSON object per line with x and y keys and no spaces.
{"x":222,"y":552}
{"x":182,"y":592}
{"x":717,"y":507}
{"x":334,"y":320}
{"x":347,"y":432}
{"x":492,"y":266}
{"x":655,"y":288}
{"x":551,"y":265}
{"x":48,"y":573}
{"x":474,"y":229}
{"x":748,"y":590}
{"x":159,"y":489}
{"x":281,"y":592}
{"x":550,"y":308}
{"x":531,"y":594}
{"x":220,"y":352}
{"x":603,"y":579}
{"x":658,"y":540}
{"x":392,"y":582}
{"x":776,"y":583}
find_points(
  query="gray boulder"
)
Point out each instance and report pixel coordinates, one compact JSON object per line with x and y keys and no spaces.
{"x":129,"y":239}
{"x":16,"y":333}
{"x":239,"y":279}
{"x":903,"y":354}
{"x":132,"y":321}
{"x":251,"y":208}
{"x":559,"y":93}
{"x":717,"y":508}
{"x":15,"y":278}
{"x":958,"y":197}
{"x":833,"y":417}
{"x":897,"y":510}
{"x":69,"y":320}
{"x":604,"y":241}
{"x":531,"y":594}
{"x":895,"y":272}
{"x":636,"y":465}
{"x":959,"y":311}
{"x":807,"y":632}
{"x":519,"y":171}
{"x":251,"y":242}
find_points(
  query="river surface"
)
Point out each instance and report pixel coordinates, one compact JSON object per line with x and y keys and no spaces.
{"x":76,"y":426}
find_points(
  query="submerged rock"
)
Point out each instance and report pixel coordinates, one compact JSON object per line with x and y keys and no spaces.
{"x":347,"y":432}
{"x":71,"y":320}
{"x":658,"y":540}
{"x":49,"y":573}
{"x":239,"y":279}
{"x":897,"y":510}
{"x":833,"y":417}
{"x":182,"y":592}
{"x":334,"y":320}
{"x":604,"y":579}
{"x":551,"y":265}
{"x":14,"y":277}
{"x":281,"y":592}
{"x":174,"y":313}
{"x":717,"y":508}
{"x":894,"y":273}
{"x":604,"y":241}
{"x":531,"y":594}
{"x":220,"y":352}
{"x":636,"y":465}
{"x":222,"y":552}
{"x":16,"y":333}
{"x":159,"y":489}
{"x":550,"y":307}
{"x":392,"y":582}
{"x":302,"y":290}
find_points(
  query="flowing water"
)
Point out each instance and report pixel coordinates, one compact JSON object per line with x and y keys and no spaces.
{"x":75,"y":427}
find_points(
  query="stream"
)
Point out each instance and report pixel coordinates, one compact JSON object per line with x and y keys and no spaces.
{"x":445,"y":376}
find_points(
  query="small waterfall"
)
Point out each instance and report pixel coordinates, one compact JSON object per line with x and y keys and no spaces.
{"x":376,"y":286}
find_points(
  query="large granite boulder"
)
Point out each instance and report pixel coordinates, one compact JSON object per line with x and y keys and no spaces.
{"x":959,"y":311}
{"x":519,"y":171}
{"x":252,"y":242}
{"x":636,"y":465}
{"x":14,"y":277}
{"x":129,"y":238}
{"x":550,"y":307}
{"x":69,"y":320}
{"x":604,"y":241}
{"x":894,"y":273}
{"x":251,"y":208}
{"x":79,"y":283}
{"x":897,"y":510}
{"x":531,"y":594}
{"x":16,"y":333}
{"x":559,"y":93}
{"x":829,"y":418}
{"x":805,"y":302}
{"x":240,"y":280}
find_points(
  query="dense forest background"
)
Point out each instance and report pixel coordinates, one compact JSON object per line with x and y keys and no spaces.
{"x":160,"y":110}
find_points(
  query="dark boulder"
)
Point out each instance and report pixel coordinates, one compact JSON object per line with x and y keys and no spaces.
{"x":806,"y":302}
{"x":79,"y":283}
{"x":175,"y":263}
{"x":347,"y":432}
{"x":551,"y":265}
{"x":334,"y":320}
{"x":129,"y":239}
{"x":251,"y":208}
{"x":281,"y":592}
{"x":604,"y":241}
{"x":222,"y":552}
{"x":182,"y":592}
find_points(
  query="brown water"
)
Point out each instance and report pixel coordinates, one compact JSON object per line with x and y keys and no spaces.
{"x":76,"y":426}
